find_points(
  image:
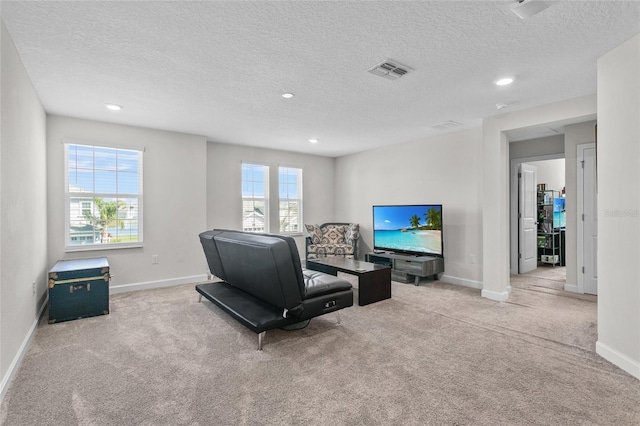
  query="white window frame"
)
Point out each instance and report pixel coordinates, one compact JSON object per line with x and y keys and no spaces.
{"x":70,"y":193}
{"x":290,"y":198}
{"x":253,"y":197}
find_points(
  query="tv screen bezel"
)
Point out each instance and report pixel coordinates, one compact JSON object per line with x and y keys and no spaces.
{"x":404,"y":251}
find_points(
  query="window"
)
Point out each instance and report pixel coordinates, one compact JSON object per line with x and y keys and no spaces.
{"x":290,"y":188}
{"x":86,"y":208}
{"x":103,"y":197}
{"x":255,"y":198}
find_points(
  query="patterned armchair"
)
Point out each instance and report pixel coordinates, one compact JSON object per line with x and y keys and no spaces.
{"x":332,"y":239}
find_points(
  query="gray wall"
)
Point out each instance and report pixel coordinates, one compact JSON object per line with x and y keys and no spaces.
{"x":536,"y":147}
{"x":23,"y":194}
{"x":618,"y":157}
{"x":440,"y":170}
{"x":174,"y":201}
{"x":224,"y":198}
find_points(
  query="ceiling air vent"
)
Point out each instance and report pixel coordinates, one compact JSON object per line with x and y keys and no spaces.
{"x":390,"y":70}
{"x":447,"y":125}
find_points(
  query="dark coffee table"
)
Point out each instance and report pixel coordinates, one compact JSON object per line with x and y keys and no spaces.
{"x":374,"y":281}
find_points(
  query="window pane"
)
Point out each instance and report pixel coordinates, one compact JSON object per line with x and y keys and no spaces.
{"x":255,"y":200}
{"x":128,"y":182}
{"x":290,"y":192}
{"x":95,"y":218}
{"x":289,"y":216}
{"x":104,"y":158}
{"x":105,"y":182}
{"x":253,"y":217}
{"x":84,"y":157}
{"x":128,"y":161}
{"x":80,"y":180}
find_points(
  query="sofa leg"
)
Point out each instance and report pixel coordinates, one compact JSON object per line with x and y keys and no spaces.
{"x":199,"y":298}
{"x":260,"y":340}
{"x":338,"y":315}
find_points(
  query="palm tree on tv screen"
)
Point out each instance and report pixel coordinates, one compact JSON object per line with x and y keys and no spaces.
{"x":414,"y":221}
{"x":434,"y":218}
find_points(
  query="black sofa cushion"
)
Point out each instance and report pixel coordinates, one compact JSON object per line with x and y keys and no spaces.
{"x":248,"y":310}
{"x":318,"y":283}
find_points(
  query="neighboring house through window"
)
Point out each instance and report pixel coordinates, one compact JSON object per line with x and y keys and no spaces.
{"x":290,"y":189}
{"x":257,"y":208}
{"x":104,"y":197}
{"x":255,"y":197}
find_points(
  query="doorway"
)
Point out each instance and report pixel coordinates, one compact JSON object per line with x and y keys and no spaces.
{"x":538,"y":184}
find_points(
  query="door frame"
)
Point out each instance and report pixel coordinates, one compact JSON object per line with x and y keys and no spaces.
{"x":513,"y":208}
{"x":580,"y":210}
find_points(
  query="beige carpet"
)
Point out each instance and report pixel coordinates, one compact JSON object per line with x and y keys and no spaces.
{"x":548,"y":276}
{"x":436,"y":354}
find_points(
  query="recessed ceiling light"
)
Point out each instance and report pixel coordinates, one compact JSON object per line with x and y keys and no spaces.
{"x":526,"y":9}
{"x":504,"y":81}
{"x":287,"y":95}
{"x":314,"y":140}
{"x":501,"y":106}
{"x":113,"y":107}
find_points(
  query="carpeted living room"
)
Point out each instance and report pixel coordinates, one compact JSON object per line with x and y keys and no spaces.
{"x":432,"y":354}
{"x":131,"y":129}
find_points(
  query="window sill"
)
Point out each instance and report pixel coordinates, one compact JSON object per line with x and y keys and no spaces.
{"x":100,"y":247}
{"x":291,"y":234}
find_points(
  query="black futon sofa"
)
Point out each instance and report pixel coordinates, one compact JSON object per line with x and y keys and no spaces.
{"x":263,"y":284}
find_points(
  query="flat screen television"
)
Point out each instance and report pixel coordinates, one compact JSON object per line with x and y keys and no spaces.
{"x":409,"y":229}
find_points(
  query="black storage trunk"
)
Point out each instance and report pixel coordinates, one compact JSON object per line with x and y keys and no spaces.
{"x":78,"y":289}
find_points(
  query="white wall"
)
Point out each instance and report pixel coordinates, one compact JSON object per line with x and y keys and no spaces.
{"x":224,"y":197}
{"x":618,"y":164}
{"x":23,"y":223}
{"x":440,"y":170}
{"x":174,"y":202}
{"x":551,"y":173}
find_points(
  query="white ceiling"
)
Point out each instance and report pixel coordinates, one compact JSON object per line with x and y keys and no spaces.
{"x":218,"y":68}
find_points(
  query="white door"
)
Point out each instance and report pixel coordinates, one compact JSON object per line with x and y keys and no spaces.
{"x":527,"y":218}
{"x":588,"y":219}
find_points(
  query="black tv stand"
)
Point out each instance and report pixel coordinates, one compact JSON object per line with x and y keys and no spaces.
{"x":406,"y":267}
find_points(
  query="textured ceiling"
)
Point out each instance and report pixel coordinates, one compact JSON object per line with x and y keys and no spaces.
{"x":218,"y":68}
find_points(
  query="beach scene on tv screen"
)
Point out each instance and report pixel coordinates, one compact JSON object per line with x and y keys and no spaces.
{"x":408,"y":228}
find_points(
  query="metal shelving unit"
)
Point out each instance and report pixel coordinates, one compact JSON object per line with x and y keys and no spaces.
{"x":549,"y":232}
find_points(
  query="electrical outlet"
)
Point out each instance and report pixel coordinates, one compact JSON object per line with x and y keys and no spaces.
{"x":33,"y":287}
{"x":154,"y":259}
{"x":472,"y":258}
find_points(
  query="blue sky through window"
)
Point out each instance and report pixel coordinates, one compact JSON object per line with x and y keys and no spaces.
{"x":103,"y":170}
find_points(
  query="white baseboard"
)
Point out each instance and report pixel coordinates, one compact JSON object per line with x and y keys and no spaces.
{"x":571,"y":287}
{"x":156,"y":284}
{"x":629,"y":365}
{"x":461,"y":281}
{"x":494,"y":295}
{"x":17,"y":360}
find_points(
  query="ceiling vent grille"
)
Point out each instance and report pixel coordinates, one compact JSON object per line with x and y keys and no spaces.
{"x":390,"y":70}
{"x":447,"y":125}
